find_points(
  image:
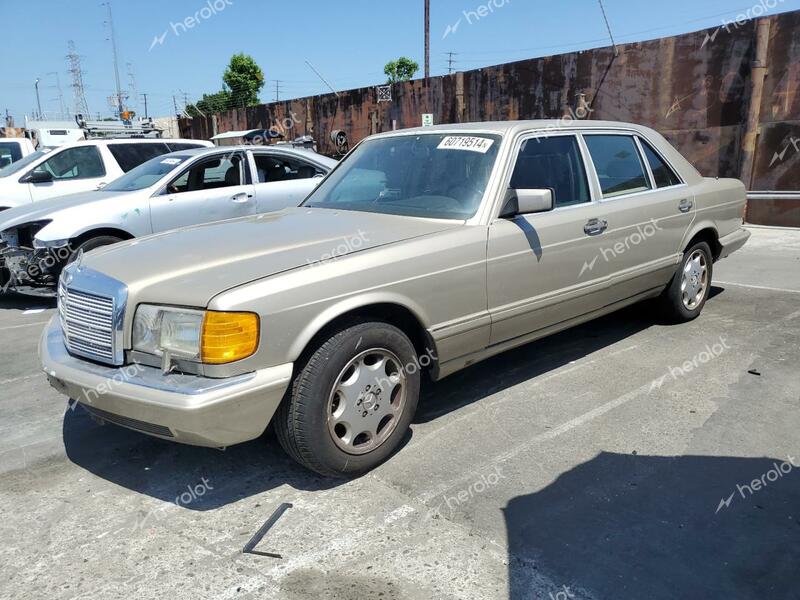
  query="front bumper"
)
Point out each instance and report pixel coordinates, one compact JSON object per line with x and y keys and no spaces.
{"x":182,"y":408}
{"x":733,"y":242}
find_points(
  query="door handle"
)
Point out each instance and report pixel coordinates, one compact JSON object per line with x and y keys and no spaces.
{"x":241,"y":197}
{"x":595,"y":227}
{"x":685,"y":205}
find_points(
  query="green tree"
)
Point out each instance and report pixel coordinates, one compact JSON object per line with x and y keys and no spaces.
{"x":210,"y":104}
{"x":401,"y":69}
{"x":244,"y":79}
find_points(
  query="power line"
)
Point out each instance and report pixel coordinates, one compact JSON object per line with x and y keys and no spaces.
{"x":450,"y":62}
{"x":611,"y":35}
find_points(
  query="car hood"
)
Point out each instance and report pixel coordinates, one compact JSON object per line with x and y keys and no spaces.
{"x":190,"y":266}
{"x":44,"y":209}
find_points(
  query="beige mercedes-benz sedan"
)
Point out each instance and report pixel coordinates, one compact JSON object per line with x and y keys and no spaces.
{"x":424,"y":250}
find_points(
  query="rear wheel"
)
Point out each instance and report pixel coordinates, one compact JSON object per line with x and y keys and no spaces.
{"x":352,"y":402}
{"x":686,"y":294}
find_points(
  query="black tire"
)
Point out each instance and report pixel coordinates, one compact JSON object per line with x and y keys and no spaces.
{"x":671,"y":299}
{"x":93,"y":243}
{"x":301,"y":422}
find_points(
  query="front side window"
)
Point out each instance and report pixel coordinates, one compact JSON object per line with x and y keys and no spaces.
{"x":209,"y":174}
{"x":618,"y":164}
{"x":83,"y":162}
{"x":553,"y":163}
{"x":22,"y":163}
{"x":662,"y":173}
{"x":132,"y":155}
{"x":430,"y":175}
{"x":271,"y":167}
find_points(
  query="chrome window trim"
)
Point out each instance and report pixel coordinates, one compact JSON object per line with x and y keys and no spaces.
{"x":81,"y":279}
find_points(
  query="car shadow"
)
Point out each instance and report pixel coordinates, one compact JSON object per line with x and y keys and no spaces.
{"x":535,"y":359}
{"x":163,"y":469}
{"x":13,"y":301}
{"x":628,"y":526}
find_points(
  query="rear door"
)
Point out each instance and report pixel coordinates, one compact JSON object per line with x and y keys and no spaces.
{"x":647,"y":208}
{"x":130,"y":155}
{"x":536,"y":262}
{"x":283,"y":180}
{"x":212,"y":188}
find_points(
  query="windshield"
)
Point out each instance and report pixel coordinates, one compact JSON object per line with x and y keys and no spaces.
{"x":439,"y":176}
{"x":146,"y":174}
{"x":22,"y":163}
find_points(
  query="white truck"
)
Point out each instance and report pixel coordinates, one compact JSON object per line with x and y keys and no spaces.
{"x":79,"y":167}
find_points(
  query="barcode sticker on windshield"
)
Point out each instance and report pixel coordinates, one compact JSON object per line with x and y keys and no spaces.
{"x":465,"y":142}
{"x":171,"y":161}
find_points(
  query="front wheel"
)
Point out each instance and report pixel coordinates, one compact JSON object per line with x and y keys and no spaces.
{"x":92,"y":243}
{"x":686,"y":294}
{"x":352,"y":402}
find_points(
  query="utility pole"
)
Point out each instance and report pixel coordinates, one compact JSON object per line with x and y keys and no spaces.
{"x":78,"y":93}
{"x":110,"y":22}
{"x":427,"y":39}
{"x":38,"y":100}
{"x":278,"y":90}
{"x":145,"y":105}
{"x":450,"y":62}
{"x":175,"y":104}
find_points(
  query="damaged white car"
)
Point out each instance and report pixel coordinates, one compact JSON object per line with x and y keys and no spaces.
{"x":168,"y":192}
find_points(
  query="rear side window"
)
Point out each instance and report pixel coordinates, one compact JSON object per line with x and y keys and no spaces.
{"x":271,"y":168}
{"x":552,"y":163}
{"x":129,"y":156}
{"x":618,"y":164}
{"x":662,"y":173}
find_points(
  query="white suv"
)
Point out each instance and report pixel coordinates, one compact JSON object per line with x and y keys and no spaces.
{"x":79,"y":167}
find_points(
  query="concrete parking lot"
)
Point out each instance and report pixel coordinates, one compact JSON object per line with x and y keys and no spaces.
{"x":626,"y":458}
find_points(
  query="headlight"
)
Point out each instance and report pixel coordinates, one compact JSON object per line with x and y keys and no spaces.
{"x":201,"y":336}
{"x":41,"y":244}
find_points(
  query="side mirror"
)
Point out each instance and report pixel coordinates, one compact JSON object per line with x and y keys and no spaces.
{"x":526,"y":201}
{"x":38,"y":176}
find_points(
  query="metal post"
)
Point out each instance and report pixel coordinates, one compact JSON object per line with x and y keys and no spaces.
{"x":757,"y":76}
{"x":38,"y":101}
{"x":427,"y":39}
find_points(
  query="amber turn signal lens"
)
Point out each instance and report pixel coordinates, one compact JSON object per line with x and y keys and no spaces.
{"x":228,"y":337}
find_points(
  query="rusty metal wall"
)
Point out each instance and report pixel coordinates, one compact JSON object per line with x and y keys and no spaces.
{"x":693,"y":88}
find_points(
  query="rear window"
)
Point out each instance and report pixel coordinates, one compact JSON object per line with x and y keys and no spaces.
{"x":664,"y":176}
{"x":129,"y":156}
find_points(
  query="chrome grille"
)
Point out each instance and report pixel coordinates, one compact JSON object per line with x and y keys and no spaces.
{"x":87,"y":321}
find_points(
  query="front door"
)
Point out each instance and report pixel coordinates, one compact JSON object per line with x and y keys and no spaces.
{"x":212,"y":189}
{"x":537,"y":262}
{"x":72,"y":170}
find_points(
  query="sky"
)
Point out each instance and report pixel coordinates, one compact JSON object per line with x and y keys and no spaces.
{"x":347,"y":41}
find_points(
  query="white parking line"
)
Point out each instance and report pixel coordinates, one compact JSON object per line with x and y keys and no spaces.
{"x":757,"y":287}
{"x":542,"y":437}
{"x":39,"y":323}
{"x":21,"y":378}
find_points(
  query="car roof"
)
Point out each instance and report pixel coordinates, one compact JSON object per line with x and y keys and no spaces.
{"x":272,"y":149}
{"x":104,"y":141}
{"x":513,"y":127}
